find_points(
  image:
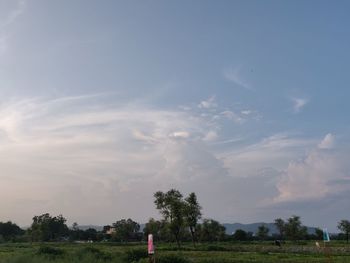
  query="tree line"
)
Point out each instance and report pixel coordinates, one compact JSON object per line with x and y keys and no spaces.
{"x":181,"y":221}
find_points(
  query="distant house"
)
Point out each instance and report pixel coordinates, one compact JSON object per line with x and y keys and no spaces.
{"x":109,"y":230}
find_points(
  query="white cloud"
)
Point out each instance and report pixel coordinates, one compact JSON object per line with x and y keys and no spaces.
{"x":232,"y":116}
{"x":314,"y":177}
{"x":208,"y":104}
{"x":3,"y":44}
{"x":234,"y":76}
{"x":274,"y":151}
{"x":14,"y":14}
{"x":299,"y":104}
{"x":180,"y":135}
{"x":327,"y":142}
{"x":62,"y":152}
{"x":210,"y":136}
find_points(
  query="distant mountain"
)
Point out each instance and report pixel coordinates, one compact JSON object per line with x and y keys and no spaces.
{"x":231,"y":228}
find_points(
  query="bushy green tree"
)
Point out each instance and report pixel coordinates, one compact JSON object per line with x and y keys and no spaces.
{"x":126,"y":230}
{"x":10,"y":231}
{"x":211,"y":230}
{"x":153,"y":227}
{"x":48,"y":228}
{"x":192,"y":214}
{"x":294,"y":229}
{"x":344,"y":227}
{"x":172,"y":206}
{"x":240,"y":235}
{"x":280,"y":225}
{"x":263,"y":232}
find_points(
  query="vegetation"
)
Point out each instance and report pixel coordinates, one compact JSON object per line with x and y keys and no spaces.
{"x":344,"y":226}
{"x":49,"y":239}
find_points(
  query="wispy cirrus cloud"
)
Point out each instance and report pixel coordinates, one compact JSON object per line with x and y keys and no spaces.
{"x":14,"y":14}
{"x":9,"y":19}
{"x":68,"y":146}
{"x":233,"y":75}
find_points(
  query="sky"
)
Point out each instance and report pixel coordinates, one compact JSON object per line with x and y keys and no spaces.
{"x":245,"y":103}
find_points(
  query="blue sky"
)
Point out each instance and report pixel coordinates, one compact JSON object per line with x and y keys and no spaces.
{"x":243,"y":102}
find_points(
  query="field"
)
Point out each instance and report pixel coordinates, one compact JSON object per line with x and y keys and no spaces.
{"x":239,"y":252}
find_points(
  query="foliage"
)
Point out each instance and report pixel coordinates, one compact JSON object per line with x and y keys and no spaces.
{"x":126,"y":230}
{"x":50,"y":251}
{"x":280,"y":225}
{"x":134,"y":255}
{"x":192,"y":214}
{"x":263,"y":232}
{"x":212,"y":230}
{"x":240,"y":235}
{"x":9,"y":230}
{"x":171,"y":206}
{"x":48,"y":228}
{"x":344,"y":226}
{"x":94,"y":252}
{"x":292,"y":228}
{"x":172,"y":259}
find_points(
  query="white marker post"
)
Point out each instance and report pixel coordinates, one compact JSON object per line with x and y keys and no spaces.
{"x":151,"y":249}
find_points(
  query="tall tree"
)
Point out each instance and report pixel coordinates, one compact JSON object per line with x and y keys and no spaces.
{"x":294,"y":229}
{"x":344,"y":226}
{"x":192,"y":214}
{"x":171,"y":206}
{"x":280,"y":225}
{"x":263,"y":232}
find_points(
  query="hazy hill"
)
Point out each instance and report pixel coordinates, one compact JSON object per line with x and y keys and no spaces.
{"x":231,"y":228}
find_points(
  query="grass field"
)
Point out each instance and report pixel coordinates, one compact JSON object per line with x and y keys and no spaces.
{"x":264,"y":252}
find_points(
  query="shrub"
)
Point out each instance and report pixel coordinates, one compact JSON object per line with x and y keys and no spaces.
{"x":50,"y":251}
{"x":94,"y":252}
{"x":134,"y":255}
{"x":172,"y":259}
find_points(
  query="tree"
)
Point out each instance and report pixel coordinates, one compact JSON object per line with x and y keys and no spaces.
{"x":153,"y":227}
{"x":126,"y":230}
{"x":263,"y":232}
{"x":212,"y":230}
{"x":9,"y":231}
{"x":192,"y":214}
{"x":48,"y":228}
{"x":318,"y":233}
{"x":344,"y":227}
{"x":280,"y":225}
{"x":294,"y":229}
{"x":171,"y":206}
{"x":240,"y":235}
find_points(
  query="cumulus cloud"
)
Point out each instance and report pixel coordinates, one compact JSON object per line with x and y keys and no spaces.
{"x":327,"y":142}
{"x":315,"y":177}
{"x":208,"y":104}
{"x":210,"y":136}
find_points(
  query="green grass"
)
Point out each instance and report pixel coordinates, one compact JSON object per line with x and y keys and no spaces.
{"x":229,"y":252}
